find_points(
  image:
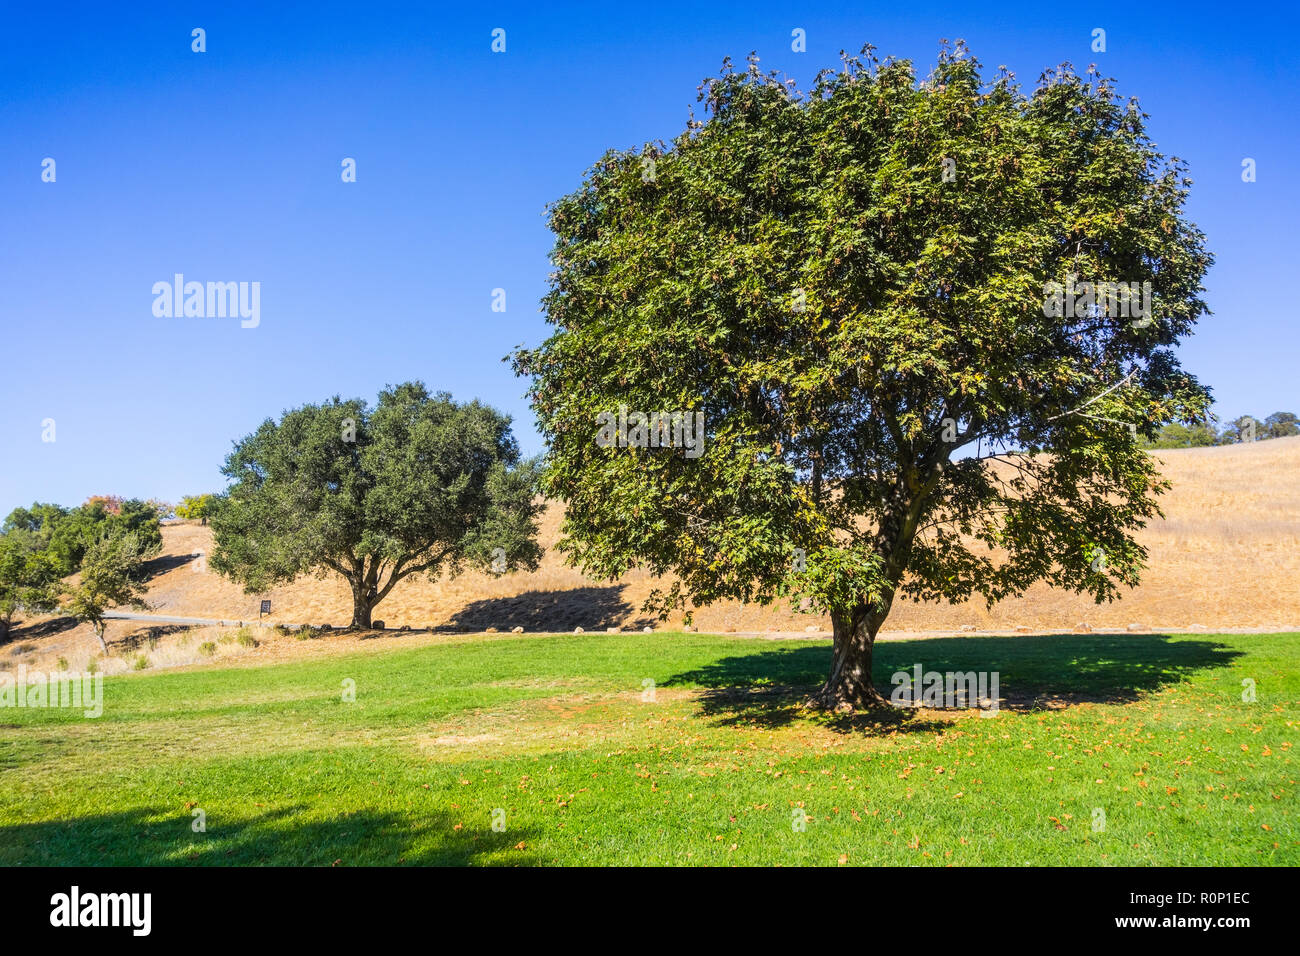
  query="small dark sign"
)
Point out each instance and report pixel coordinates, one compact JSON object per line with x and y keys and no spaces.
{"x":266,"y":607}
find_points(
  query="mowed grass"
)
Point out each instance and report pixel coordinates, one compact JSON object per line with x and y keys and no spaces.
{"x":579,"y":759}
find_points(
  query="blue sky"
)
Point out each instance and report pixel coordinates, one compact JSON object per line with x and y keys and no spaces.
{"x":225,"y":165}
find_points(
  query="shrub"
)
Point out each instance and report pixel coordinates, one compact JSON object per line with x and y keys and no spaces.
{"x":63,"y":663}
{"x":197,"y":507}
{"x":141,"y":662}
{"x":207,"y":648}
{"x":246,"y":638}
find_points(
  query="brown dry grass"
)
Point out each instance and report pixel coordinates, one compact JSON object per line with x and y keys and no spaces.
{"x":1226,"y":556}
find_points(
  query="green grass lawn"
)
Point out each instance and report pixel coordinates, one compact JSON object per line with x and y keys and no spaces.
{"x":554,"y":734}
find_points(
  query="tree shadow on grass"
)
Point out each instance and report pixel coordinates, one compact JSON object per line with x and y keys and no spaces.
{"x":1036,"y":672}
{"x":141,"y":837}
{"x":591,"y":608}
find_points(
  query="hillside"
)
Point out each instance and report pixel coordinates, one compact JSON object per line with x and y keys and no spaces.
{"x":1227,"y":556}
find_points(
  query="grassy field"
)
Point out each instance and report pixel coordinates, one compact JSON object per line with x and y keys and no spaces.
{"x":558,"y":734}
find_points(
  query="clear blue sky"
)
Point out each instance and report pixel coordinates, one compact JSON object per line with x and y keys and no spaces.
{"x":225,"y":166}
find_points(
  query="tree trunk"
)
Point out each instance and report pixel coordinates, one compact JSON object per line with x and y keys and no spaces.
{"x":4,"y":631}
{"x":99,"y":633}
{"x":361,"y":608}
{"x":849,"y":687}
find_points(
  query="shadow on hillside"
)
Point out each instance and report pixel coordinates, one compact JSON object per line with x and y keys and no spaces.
{"x":168,"y":562}
{"x":591,"y":608}
{"x":1035,"y":673}
{"x":141,"y":837}
{"x":55,"y":625}
{"x":126,"y":643}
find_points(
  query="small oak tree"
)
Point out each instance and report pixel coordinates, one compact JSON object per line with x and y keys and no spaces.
{"x":897,"y":305}
{"x":111,"y":576}
{"x":197,"y":507}
{"x":417,"y":485}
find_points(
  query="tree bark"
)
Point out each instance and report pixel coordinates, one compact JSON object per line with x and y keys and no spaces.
{"x":361,"y":607}
{"x":99,"y":633}
{"x":849,"y":686}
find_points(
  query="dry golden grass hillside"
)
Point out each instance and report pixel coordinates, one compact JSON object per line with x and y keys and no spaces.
{"x":1227,"y":556}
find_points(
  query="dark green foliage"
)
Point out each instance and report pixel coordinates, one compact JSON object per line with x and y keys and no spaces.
{"x":111,"y":576}
{"x":418,"y":484}
{"x":850,"y":284}
{"x":66,"y":533}
{"x":1281,"y":425}
{"x":29,"y":578}
{"x":1246,"y":428}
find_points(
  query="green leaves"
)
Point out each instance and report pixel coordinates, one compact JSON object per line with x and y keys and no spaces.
{"x":197,"y":507}
{"x":851,"y":285}
{"x":29,"y":577}
{"x":110,"y":577}
{"x":418,"y":484}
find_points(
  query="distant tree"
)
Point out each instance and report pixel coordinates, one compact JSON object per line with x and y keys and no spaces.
{"x":1178,"y":435}
{"x":64,"y":533}
{"x":417,"y":485}
{"x":139,"y":518}
{"x":40,"y":520}
{"x":111,"y":504}
{"x":29,"y":578}
{"x":1247,"y":428}
{"x":111,"y":576}
{"x":162,"y":509}
{"x":197,"y":507}
{"x":1282,"y":425}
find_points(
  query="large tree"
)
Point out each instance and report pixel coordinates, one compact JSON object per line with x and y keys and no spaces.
{"x":855,"y":287}
{"x":417,"y":485}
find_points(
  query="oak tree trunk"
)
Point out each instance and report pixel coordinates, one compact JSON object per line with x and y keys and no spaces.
{"x":362,"y":606}
{"x":361,"y":614}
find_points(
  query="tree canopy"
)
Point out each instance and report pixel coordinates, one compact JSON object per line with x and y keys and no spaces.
{"x":41,"y":545}
{"x":66,"y":533}
{"x":29,"y":578}
{"x":860,"y":289}
{"x":197,"y":507}
{"x":419,"y":484}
